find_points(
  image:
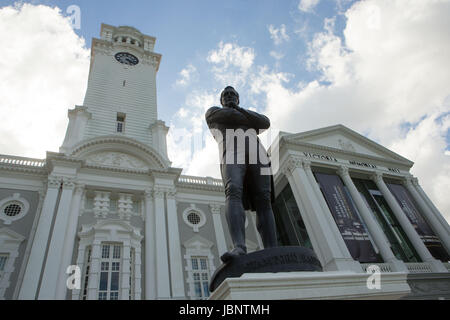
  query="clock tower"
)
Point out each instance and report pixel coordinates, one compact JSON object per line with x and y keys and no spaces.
{"x":120,"y":98}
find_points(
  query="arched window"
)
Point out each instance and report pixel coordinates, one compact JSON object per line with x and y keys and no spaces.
{"x":109,"y":253}
{"x":199,"y":265}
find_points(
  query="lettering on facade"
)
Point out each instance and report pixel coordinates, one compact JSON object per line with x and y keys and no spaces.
{"x":394,"y":170}
{"x":320,"y":156}
{"x":283,"y":259}
{"x":362,"y":164}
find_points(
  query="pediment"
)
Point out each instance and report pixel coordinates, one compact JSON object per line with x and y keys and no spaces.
{"x":120,"y":153}
{"x":198,"y":242}
{"x":9,"y":236}
{"x":341,"y":138}
{"x":112,"y":227}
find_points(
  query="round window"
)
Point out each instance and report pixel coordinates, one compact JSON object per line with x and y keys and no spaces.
{"x":12,"y":210}
{"x":193,"y":218}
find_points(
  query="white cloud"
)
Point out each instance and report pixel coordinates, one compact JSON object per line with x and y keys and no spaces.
{"x":45,"y":66}
{"x":187,"y":75}
{"x":391,"y":69}
{"x":189,"y":143}
{"x":278,"y":35}
{"x":424,"y":144}
{"x":386,"y":78}
{"x":307,"y":5}
{"x":276,"y":55}
{"x":231,"y":63}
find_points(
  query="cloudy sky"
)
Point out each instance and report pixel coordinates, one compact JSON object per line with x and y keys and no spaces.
{"x":379,"y":67}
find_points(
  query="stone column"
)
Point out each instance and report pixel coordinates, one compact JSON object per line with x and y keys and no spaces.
{"x":137,"y":274}
{"x":94,"y":271}
{"x":30,"y":282}
{"x":322,"y":230}
{"x":150,"y":254}
{"x":218,"y":229}
{"x":413,"y":236}
{"x":162,"y":261}
{"x":69,"y":242}
{"x":176,"y":264}
{"x":55,"y":251}
{"x":30,"y":241}
{"x":435,"y":210}
{"x":372,"y":225}
{"x":320,"y":198}
{"x":125,"y":271}
{"x":435,"y":224}
{"x":81,"y":262}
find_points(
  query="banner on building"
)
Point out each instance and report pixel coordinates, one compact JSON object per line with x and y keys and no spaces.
{"x":347,"y":219}
{"x":410,"y":209}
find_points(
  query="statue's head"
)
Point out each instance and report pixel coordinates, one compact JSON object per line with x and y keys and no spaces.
{"x":229,"y":97}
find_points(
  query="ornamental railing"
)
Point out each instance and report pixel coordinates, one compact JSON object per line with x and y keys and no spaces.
{"x":384,"y":267}
{"x":419,"y":267}
{"x":21,"y":161}
{"x":206,"y":181}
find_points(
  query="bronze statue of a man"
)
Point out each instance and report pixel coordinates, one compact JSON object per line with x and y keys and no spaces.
{"x":245,"y":169}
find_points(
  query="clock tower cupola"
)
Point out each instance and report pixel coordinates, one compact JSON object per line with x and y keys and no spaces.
{"x":120,"y":98}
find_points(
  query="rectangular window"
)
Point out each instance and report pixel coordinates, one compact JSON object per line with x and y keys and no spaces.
{"x":110,"y":264}
{"x":399,"y":242}
{"x":200,"y":274}
{"x":120,"y":122}
{"x":291,"y":230}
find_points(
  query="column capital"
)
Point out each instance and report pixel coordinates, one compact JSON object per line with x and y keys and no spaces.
{"x":171,"y":193}
{"x":377,"y":177}
{"x":54,"y":182}
{"x":148,"y":193}
{"x":215,"y":208}
{"x":343,"y":171}
{"x":79,"y":188}
{"x":292,"y":163}
{"x":306,"y":164}
{"x":68,"y":183}
{"x":409,"y":180}
{"x":158,"y":192}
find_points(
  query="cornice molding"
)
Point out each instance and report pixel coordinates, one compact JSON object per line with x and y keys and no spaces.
{"x":362,"y":139}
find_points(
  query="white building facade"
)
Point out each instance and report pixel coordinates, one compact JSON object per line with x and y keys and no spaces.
{"x":108,"y":217}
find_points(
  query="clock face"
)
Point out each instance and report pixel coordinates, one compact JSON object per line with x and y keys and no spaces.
{"x":126,"y":58}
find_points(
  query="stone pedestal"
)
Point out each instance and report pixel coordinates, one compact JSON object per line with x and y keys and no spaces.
{"x":277,"y":259}
{"x":338,"y":285}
